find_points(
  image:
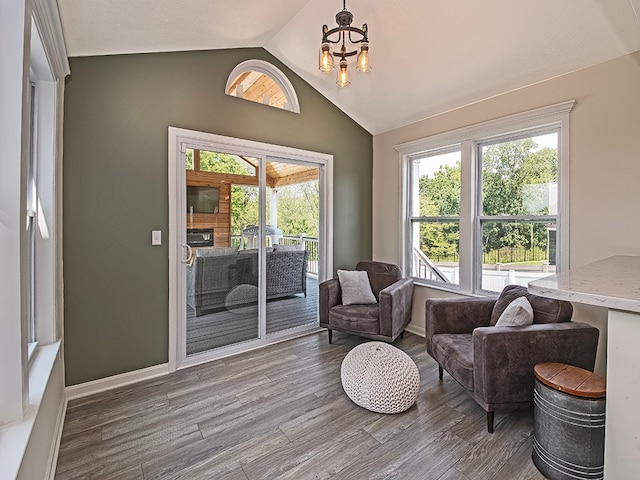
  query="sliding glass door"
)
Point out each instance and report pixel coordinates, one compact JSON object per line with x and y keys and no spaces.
{"x":249,"y":244}
{"x":292,"y":216}
{"x":221,"y":287}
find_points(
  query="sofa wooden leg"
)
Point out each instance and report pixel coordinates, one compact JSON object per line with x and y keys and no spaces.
{"x":330,"y":335}
{"x":402,"y":335}
{"x":490,"y":416}
{"x":440,"y":372}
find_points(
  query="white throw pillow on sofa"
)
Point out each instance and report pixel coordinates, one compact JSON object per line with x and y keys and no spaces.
{"x":518,"y":313}
{"x":356,"y":289}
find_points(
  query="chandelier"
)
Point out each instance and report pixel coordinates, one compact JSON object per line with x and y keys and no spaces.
{"x":341,"y":34}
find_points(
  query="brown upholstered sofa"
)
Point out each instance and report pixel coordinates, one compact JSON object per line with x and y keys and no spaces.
{"x":495,"y":364}
{"x":385,"y":320}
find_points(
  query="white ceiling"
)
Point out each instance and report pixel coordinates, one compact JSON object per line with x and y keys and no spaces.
{"x":428,"y":56}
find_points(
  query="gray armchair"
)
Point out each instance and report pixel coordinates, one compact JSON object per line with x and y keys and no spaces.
{"x":385,"y":320}
{"x":495,"y":364}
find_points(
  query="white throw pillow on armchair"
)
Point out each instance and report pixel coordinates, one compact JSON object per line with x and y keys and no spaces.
{"x":518,"y":313}
{"x":355,"y":286}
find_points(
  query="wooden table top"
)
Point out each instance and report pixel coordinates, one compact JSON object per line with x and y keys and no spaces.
{"x":572,"y":380}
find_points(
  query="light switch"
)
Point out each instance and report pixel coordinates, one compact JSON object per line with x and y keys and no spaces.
{"x":156,"y":237}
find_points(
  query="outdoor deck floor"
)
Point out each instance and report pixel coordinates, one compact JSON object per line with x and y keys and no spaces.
{"x":226,"y":327}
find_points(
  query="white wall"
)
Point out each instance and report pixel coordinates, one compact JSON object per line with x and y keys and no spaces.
{"x":604,"y":169}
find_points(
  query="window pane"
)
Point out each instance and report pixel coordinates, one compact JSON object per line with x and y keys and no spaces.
{"x":435,"y":251}
{"x":260,"y":88}
{"x":189,"y":159}
{"x":516,"y":253}
{"x":436,"y":190}
{"x":224,"y":163}
{"x":32,"y":205}
{"x":520,"y":177}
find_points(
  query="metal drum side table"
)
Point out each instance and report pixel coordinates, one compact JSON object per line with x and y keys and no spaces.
{"x":569,"y":419}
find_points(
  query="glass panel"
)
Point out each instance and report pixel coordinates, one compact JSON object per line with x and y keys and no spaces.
{"x":436,"y":193}
{"x":244,"y":214}
{"x":438,"y":186}
{"x":189,"y":159}
{"x":520,"y":177}
{"x":435,"y":253}
{"x":516,"y":253}
{"x":293,"y":226}
{"x":223,"y":230}
{"x":222,"y":285}
{"x":260,"y":88}
{"x":32,"y":205}
{"x":225,"y":163}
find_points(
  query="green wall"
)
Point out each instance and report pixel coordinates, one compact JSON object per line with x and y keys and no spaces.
{"x":117,"y":112}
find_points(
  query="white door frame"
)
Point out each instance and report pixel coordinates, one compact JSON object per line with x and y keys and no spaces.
{"x":179,"y":140}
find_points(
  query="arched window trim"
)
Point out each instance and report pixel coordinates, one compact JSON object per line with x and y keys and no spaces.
{"x":271,"y":71}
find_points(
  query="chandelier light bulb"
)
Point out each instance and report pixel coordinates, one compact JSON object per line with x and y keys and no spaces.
{"x":363,"y":59}
{"x":343,"y":75}
{"x":326,"y":58}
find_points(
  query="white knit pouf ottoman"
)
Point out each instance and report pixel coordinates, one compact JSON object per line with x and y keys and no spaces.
{"x":380,"y":377}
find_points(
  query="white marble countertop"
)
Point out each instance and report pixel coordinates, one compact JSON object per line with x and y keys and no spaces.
{"x":611,"y":283}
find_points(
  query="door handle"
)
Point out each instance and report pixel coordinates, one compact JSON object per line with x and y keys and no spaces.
{"x":187,"y":253}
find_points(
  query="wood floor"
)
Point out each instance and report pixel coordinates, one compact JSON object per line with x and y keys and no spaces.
{"x":280,"y":412}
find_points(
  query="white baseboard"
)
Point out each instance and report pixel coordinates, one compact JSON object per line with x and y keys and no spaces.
{"x":102,"y":384}
{"x":55,"y":448}
{"x":416,"y":330}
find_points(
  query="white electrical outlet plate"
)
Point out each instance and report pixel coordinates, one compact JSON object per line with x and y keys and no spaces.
{"x":156,"y":237}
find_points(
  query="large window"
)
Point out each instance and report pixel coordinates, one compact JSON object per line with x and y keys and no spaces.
{"x":485,"y":205}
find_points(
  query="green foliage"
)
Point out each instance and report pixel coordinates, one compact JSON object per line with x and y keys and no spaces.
{"x":515,"y":181}
{"x":298,"y":209}
{"x":224,"y":163}
{"x":440,"y":197}
{"x":244,"y":207}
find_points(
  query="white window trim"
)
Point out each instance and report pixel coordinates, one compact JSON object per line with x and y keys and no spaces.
{"x":293,"y":105}
{"x":33,"y":404}
{"x":180,"y":139}
{"x":556,"y":115}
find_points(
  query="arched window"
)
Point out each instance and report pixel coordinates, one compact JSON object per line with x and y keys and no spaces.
{"x":261,"y":82}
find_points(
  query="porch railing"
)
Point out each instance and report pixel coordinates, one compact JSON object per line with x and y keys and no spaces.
{"x":423,"y":267}
{"x":309,"y":243}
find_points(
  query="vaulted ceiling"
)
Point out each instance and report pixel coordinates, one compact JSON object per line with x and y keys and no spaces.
{"x":428,"y":56}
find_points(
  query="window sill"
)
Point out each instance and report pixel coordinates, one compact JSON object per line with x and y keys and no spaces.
{"x":444,"y":288}
{"x":15,"y":436}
